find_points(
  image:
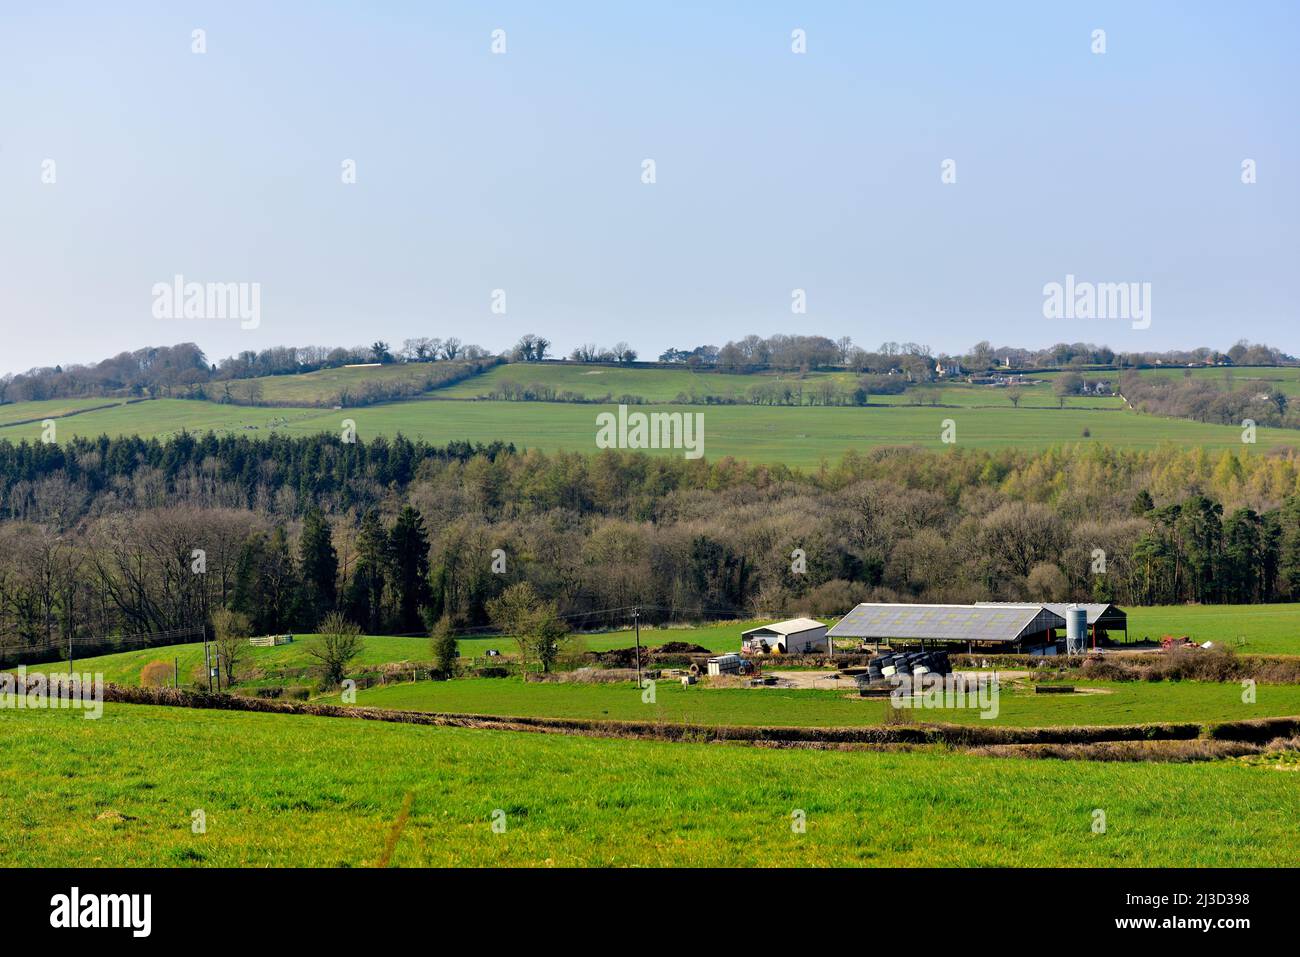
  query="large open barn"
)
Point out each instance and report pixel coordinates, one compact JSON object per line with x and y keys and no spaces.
{"x":985,"y":626}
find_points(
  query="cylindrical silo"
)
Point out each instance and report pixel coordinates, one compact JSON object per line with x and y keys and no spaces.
{"x":1076,"y":629}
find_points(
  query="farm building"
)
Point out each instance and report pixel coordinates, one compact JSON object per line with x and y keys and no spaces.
{"x":1103,"y":617}
{"x":794,"y":637}
{"x":993,"y":627}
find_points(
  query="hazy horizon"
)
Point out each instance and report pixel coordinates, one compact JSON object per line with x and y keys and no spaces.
{"x":522,"y":171}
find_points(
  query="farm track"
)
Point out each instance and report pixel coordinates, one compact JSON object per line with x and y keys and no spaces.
{"x":1251,"y":732}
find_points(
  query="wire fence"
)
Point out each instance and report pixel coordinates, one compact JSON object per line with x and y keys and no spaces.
{"x":85,"y":646}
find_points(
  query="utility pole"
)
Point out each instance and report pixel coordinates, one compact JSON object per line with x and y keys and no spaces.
{"x":69,"y":652}
{"x":636,"y":623}
{"x":207,"y":658}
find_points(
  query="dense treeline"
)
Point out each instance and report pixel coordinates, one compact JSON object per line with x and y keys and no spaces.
{"x":102,"y":537}
{"x":184,"y":371}
{"x":1204,"y":401}
{"x":793,"y":353}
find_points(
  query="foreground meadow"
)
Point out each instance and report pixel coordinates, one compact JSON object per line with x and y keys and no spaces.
{"x":278,"y":790}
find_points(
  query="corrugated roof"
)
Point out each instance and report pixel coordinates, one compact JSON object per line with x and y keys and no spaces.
{"x":1095,"y":609}
{"x":793,"y":626}
{"x":943,"y":622}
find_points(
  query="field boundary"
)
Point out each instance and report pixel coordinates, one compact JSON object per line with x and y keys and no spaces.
{"x":72,"y":412}
{"x":1254,"y":731}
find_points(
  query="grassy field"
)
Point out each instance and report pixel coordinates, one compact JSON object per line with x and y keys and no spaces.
{"x":284,"y":663}
{"x":652,"y":385}
{"x":1267,"y":629}
{"x":1107,"y":704}
{"x":1039,"y":395}
{"x":1285,"y":379}
{"x":669,"y":385}
{"x":161,"y":418}
{"x":1250,"y":629}
{"x":325,"y":386}
{"x":279,"y":790}
{"x":36,"y":412}
{"x":799,"y":437}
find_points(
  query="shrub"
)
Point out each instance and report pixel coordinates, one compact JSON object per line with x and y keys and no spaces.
{"x":156,"y":674}
{"x":338,"y":644}
{"x":446,"y":653}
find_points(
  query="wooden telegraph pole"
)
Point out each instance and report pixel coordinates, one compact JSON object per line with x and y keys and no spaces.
{"x":636,"y":624}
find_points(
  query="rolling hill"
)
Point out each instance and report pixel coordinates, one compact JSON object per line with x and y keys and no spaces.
{"x":796,"y":435}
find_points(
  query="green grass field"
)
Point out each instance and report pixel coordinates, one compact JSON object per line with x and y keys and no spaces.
{"x":1267,"y":629}
{"x":284,"y":663}
{"x":278,"y":790}
{"x":36,"y":412}
{"x":667,"y":385}
{"x":652,"y":385}
{"x":1285,"y":379}
{"x":281,"y":664}
{"x":1250,"y":629}
{"x":800,"y":437}
{"x":1108,"y":704}
{"x":326,"y":385}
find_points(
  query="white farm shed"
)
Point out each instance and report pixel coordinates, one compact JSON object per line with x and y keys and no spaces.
{"x":793,"y":637}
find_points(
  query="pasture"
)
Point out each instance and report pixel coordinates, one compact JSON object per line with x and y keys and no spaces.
{"x":651,"y":385}
{"x":326,"y":387}
{"x":1249,"y":629}
{"x":800,"y":437}
{"x":1265,"y":630}
{"x":34,"y":412}
{"x":278,"y":790}
{"x":1284,"y":378}
{"x":1104,"y":703}
{"x":665,"y":386}
{"x":286,"y":663}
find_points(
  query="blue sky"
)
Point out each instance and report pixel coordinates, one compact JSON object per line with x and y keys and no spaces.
{"x":522,"y":171}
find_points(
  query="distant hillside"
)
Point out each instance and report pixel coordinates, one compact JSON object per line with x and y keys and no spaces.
{"x":348,"y":386}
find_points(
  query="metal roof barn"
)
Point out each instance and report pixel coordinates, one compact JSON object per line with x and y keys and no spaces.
{"x":794,"y":636}
{"x":1101,"y":614}
{"x":984,"y":624}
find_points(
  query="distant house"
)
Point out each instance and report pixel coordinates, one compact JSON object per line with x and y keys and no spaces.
{"x":946,"y":368}
{"x":794,"y":637}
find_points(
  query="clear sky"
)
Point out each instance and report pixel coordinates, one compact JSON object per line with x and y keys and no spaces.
{"x":522,"y":171}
